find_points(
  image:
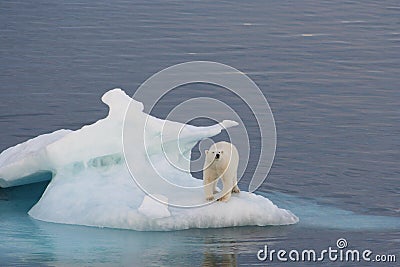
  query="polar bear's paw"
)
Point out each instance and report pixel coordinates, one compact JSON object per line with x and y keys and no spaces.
{"x":236,"y":190}
{"x":210,"y":198}
{"x":224,"y":198}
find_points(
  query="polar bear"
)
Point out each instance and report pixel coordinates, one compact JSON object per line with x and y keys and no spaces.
{"x":221,"y":161}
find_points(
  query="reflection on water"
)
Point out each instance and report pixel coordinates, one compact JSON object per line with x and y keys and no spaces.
{"x":226,"y":258}
{"x":3,"y":195}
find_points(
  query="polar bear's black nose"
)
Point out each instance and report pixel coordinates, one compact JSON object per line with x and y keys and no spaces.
{"x":217,"y":156}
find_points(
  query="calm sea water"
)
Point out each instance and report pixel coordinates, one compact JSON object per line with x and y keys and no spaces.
{"x":329,"y":69}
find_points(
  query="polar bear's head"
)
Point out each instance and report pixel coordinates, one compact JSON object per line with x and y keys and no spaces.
{"x":214,"y":153}
{"x":221,"y":153}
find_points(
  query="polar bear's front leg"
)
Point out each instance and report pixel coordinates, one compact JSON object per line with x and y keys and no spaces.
{"x":215,"y":190}
{"x":209,"y":182}
{"x":235,"y":186}
{"x":227,"y":187}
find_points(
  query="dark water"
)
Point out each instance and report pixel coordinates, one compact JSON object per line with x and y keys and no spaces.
{"x":329,"y":69}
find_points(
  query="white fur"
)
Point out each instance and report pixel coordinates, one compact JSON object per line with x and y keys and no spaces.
{"x":224,"y":167}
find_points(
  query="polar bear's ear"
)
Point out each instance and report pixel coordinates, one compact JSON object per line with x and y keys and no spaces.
{"x":206,"y":151}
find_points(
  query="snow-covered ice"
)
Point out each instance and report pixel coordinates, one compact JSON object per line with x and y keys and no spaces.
{"x":129,"y":174}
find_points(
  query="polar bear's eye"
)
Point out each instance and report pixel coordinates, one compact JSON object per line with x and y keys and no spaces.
{"x":213,"y":152}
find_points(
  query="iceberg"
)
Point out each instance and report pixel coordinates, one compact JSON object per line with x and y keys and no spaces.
{"x":129,"y":170}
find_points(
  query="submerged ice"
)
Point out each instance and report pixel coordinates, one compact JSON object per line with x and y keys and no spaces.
{"x":129,"y":170}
